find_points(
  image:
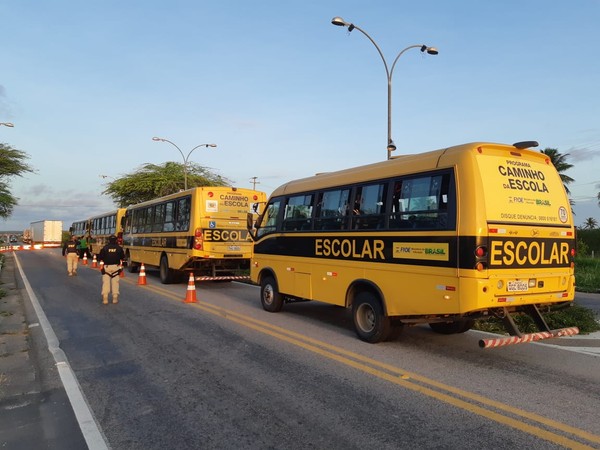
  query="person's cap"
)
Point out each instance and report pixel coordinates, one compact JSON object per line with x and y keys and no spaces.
{"x":112,"y":239}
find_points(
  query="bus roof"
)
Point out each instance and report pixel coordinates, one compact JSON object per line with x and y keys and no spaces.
{"x":398,"y":165}
{"x":190,"y":191}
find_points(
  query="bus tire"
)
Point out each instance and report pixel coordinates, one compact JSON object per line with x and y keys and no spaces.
{"x":166,"y":274}
{"x":370,"y":322}
{"x":456,"y":327}
{"x":270,"y":297}
{"x":131,"y":266}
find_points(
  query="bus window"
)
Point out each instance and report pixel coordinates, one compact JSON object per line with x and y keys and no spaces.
{"x":159,"y":218}
{"x":139,"y":217}
{"x":183,"y":214}
{"x":298,"y":213}
{"x":169,"y":224}
{"x":269,"y":218}
{"x":369,"y":207}
{"x":333,"y":210}
{"x":422,"y":203}
{"x":149,"y":218}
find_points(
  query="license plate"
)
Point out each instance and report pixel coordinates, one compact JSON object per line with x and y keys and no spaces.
{"x":517,"y":286}
{"x":234,"y":248}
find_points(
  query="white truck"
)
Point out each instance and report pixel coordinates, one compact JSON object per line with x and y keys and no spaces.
{"x":46,"y":232}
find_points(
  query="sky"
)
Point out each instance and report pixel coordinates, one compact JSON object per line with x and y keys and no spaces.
{"x":282,"y":92}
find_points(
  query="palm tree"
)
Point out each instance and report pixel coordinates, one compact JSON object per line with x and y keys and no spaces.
{"x":560,"y":162}
{"x":590,"y":223}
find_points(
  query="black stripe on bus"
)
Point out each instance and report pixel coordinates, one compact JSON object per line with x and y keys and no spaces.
{"x":435,"y":251}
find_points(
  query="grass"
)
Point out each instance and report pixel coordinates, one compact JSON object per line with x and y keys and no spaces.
{"x":587,"y":274}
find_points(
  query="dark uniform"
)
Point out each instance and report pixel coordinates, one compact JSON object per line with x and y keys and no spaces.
{"x":111,"y":255}
{"x":70,"y":250}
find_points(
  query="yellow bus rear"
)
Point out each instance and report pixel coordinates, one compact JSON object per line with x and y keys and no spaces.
{"x":201,"y":230}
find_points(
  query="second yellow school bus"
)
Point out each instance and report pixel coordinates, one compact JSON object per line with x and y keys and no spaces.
{"x":442,"y":237}
{"x":200,"y":231}
{"x":102,"y":226}
{"x":98,"y":228}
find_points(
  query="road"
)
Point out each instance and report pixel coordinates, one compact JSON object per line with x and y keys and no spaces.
{"x":222,"y":373}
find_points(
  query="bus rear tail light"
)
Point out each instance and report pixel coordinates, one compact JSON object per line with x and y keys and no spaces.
{"x":198,"y":239}
{"x":481,"y":253}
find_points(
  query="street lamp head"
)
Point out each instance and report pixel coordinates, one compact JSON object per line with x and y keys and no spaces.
{"x":157,"y":139}
{"x":429,"y":50}
{"x":7,"y":124}
{"x":338,"y":21}
{"x":211,"y":145}
{"x":391,"y":146}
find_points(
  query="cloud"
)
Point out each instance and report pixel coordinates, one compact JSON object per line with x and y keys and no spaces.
{"x":584,"y":153}
{"x":45,"y":196}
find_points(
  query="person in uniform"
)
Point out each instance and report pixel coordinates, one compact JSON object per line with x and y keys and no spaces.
{"x":111,"y":255}
{"x":70,"y":250}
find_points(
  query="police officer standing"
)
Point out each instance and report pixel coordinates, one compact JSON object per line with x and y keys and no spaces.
{"x":70,"y":250}
{"x":111,"y":255}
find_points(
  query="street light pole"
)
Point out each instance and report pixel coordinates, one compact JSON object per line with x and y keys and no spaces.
{"x":338,"y":21}
{"x":185,"y":158}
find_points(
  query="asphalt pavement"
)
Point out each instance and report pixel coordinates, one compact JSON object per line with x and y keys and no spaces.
{"x":35,"y":407}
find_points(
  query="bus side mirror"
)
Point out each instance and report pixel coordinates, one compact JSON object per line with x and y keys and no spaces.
{"x":250,"y":226}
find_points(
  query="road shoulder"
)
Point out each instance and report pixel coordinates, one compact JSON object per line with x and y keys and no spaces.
{"x":35,"y":409}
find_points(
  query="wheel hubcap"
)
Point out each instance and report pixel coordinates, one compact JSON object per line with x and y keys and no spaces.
{"x":268,"y":295}
{"x":366,"y":318}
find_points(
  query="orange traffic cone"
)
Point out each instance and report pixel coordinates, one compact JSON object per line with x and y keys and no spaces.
{"x":142,"y":276}
{"x":122,"y":273}
{"x":94,"y":262}
{"x":84,"y":259}
{"x":190,"y":296}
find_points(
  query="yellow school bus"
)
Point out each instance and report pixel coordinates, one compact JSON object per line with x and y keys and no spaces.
{"x":200,"y":230}
{"x":98,"y":228}
{"x":102,"y":226}
{"x":443,"y":237}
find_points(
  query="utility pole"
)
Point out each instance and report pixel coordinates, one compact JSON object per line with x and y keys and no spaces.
{"x":254,"y":182}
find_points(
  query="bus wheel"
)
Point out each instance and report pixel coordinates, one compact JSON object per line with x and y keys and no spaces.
{"x":131,"y":266}
{"x":270,"y":297}
{"x":370,"y":323}
{"x":459,"y":326}
{"x":166,"y":274}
